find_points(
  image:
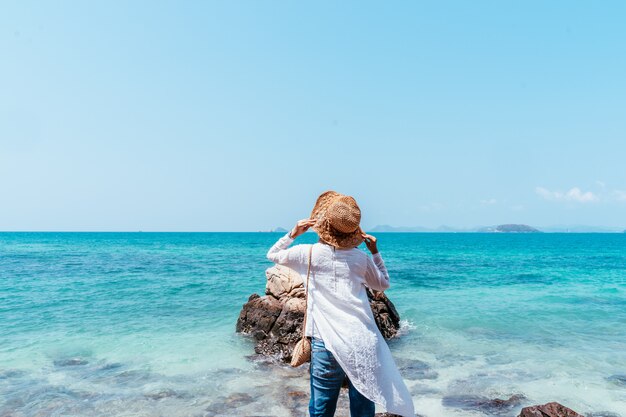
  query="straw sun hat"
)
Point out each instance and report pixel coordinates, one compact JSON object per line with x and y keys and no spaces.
{"x":337,"y":220}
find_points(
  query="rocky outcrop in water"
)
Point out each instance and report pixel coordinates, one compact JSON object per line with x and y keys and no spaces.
{"x":275,"y":319}
{"x":553,"y":409}
{"x":491,"y":406}
{"x":618,"y":379}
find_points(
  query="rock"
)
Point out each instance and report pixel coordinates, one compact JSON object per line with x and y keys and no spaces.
{"x":286,"y":331}
{"x":552,"y":409}
{"x":238,"y":399}
{"x":289,"y":321}
{"x":509,"y":228}
{"x":71,"y":362}
{"x":166,"y":393}
{"x":385,"y":313}
{"x":11,"y":373}
{"x":275,"y":319}
{"x":494,"y":406}
{"x":258,"y":315}
{"x":418,"y":390}
{"x":296,"y":401}
{"x":132,"y":377}
{"x":415,"y":369}
{"x":298,"y":394}
{"x":618,"y":379}
{"x":283,"y":282}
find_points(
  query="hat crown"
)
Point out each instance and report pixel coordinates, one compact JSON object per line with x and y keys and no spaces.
{"x":344,"y":215}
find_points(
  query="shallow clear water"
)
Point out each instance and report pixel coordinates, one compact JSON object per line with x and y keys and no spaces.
{"x":142,"y":324}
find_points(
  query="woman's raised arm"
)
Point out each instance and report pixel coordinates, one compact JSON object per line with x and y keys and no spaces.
{"x":376,"y":275}
{"x":292,"y":257}
{"x":282,"y":254}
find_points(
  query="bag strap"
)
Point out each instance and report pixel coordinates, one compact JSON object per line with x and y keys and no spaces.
{"x":306,"y":295}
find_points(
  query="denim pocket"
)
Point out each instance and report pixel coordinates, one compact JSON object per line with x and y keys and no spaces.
{"x":323,"y":363}
{"x":317,"y":345}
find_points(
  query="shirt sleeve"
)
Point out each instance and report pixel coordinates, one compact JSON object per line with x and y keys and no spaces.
{"x":282,"y":254}
{"x":376,"y":275}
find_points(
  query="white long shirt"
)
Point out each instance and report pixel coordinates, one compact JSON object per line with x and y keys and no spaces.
{"x":340,"y":309}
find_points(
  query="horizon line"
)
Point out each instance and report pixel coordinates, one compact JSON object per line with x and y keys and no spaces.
{"x":617,"y":230}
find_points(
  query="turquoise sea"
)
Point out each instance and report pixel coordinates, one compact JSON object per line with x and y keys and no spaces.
{"x":142,"y":324}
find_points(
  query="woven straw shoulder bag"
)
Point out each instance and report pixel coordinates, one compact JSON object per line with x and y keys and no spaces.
{"x":302,"y":350}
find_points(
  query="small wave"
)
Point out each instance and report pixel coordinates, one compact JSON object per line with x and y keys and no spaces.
{"x":405,"y":327}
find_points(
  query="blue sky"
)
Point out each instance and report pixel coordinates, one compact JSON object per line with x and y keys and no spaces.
{"x":235,"y":115}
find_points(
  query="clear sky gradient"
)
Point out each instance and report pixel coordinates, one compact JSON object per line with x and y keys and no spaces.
{"x":235,"y":115}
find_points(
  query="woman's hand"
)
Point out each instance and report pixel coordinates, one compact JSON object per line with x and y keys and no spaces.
{"x":301,"y":227}
{"x":370,"y":242}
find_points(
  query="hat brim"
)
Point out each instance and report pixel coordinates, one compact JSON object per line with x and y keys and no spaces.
{"x":337,"y":239}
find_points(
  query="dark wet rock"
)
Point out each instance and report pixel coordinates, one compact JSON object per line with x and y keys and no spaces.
{"x":494,"y":406}
{"x":618,"y":379}
{"x":275,"y":320}
{"x":132,"y":376}
{"x":296,"y":401}
{"x":552,"y":409}
{"x":43,"y":399}
{"x":166,"y":393}
{"x":11,"y":373}
{"x":77,"y":361}
{"x":111,"y":366}
{"x":215,"y":409}
{"x":453,"y":358}
{"x":238,"y":399}
{"x":497,"y":358}
{"x":602,"y":414}
{"x":414,"y":369}
{"x":385,"y":313}
{"x":228,"y":405}
{"x":289,"y":322}
{"x":260,"y":361}
{"x":421,"y":389}
{"x":228,"y":372}
{"x":258,"y":316}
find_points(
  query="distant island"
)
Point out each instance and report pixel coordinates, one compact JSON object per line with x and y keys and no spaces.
{"x":509,"y":228}
{"x":503,"y":228}
{"x":276,"y":230}
{"x":575,"y":228}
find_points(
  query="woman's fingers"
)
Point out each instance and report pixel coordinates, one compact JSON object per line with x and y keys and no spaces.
{"x":308,"y":223}
{"x":304,"y":225}
{"x":368,"y":237}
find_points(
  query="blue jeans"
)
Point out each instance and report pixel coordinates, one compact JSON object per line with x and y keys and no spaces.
{"x":326,"y":380}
